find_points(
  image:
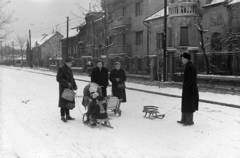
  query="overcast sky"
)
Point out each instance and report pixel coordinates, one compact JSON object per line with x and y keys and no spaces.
{"x":42,"y":16}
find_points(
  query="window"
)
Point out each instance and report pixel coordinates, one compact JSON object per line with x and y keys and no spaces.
{"x":215,"y":41}
{"x":170,"y":36}
{"x":110,"y":16}
{"x":139,"y":38}
{"x":123,"y":11}
{"x":76,"y":50}
{"x":124,"y":39}
{"x":159,"y":40}
{"x":139,"y":7}
{"x":110,"y":41}
{"x":184,"y":36}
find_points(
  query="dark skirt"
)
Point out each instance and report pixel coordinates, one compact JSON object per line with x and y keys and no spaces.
{"x":120,"y":93}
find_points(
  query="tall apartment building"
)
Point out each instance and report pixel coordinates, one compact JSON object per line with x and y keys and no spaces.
{"x":126,"y":28}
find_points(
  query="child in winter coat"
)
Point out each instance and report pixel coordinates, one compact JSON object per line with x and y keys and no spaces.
{"x":97,"y":110}
{"x":88,"y":92}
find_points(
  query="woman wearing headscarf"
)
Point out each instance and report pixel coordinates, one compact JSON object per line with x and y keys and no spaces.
{"x":118,"y":76}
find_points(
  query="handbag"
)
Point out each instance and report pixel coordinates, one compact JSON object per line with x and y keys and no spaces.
{"x":70,"y":105}
{"x":121,"y":85}
{"x":68,"y":94}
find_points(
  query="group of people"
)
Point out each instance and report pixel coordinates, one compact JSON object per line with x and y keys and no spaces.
{"x":95,"y":92}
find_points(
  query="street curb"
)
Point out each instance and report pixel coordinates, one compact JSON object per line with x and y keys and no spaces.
{"x":146,"y":91}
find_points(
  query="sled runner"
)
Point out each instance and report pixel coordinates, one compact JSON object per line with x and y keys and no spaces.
{"x":152,"y":111}
{"x":113,"y":104}
{"x":104,"y":122}
{"x":100,"y":122}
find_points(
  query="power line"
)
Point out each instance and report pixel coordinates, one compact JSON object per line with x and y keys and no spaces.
{"x":50,"y":27}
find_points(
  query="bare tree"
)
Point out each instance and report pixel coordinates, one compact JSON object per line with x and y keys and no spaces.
{"x":101,"y":34}
{"x":199,"y":27}
{"x":21,"y":42}
{"x":5,"y":19}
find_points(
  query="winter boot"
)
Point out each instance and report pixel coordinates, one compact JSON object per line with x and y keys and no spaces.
{"x":69,"y":117}
{"x":63,"y":119}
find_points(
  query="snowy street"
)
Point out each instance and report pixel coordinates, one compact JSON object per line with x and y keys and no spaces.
{"x":30,"y":125}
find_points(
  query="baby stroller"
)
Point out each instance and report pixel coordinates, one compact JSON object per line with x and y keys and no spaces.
{"x":113,"y":104}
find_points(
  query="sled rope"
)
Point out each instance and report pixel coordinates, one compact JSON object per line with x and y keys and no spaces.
{"x":77,"y":100}
{"x":176,"y":109}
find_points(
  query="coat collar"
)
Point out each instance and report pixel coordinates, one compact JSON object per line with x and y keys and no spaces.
{"x":67,"y":69}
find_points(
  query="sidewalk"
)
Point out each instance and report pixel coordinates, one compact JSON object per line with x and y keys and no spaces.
{"x":223,"y":98}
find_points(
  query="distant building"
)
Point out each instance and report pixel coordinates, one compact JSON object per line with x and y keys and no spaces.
{"x":46,"y":48}
{"x":73,"y":47}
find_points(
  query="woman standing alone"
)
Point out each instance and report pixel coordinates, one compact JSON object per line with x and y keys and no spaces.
{"x":118,"y":76}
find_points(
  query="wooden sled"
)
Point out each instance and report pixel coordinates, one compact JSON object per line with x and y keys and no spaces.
{"x":100,"y":122}
{"x":153,"y":112}
{"x":104,"y":122}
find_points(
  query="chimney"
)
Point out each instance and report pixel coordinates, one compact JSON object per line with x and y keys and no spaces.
{"x":90,"y":8}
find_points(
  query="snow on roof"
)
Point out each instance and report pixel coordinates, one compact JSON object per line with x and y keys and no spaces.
{"x":79,"y":26}
{"x":39,"y":41}
{"x":71,"y":33}
{"x":214,"y":2}
{"x":234,"y":1}
{"x":156,"y":15}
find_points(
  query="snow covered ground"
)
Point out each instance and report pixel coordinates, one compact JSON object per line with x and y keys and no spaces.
{"x":30,"y":125}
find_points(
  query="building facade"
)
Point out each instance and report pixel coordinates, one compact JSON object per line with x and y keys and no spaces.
{"x":45,"y":49}
{"x":126,"y":17}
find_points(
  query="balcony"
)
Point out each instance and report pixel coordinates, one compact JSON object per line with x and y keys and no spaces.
{"x":120,"y":50}
{"x":183,"y":9}
{"x":120,"y":22}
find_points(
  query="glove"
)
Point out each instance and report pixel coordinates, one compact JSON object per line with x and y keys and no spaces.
{"x":75,"y":88}
{"x":69,"y":85}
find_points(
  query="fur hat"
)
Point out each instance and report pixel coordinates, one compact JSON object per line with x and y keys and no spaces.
{"x":186,"y":55}
{"x":100,"y":98}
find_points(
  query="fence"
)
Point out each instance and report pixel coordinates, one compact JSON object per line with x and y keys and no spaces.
{"x":136,"y":65}
{"x":226,"y":63}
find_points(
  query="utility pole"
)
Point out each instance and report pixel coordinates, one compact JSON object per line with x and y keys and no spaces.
{"x":67,"y":35}
{"x":13,"y":53}
{"x":30,"y":50}
{"x":165,"y":42}
{"x":106,"y":30}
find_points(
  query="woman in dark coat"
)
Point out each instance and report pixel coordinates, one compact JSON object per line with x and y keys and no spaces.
{"x":100,"y":76}
{"x":65,"y":80}
{"x":190,"y":96}
{"x":117,"y":76}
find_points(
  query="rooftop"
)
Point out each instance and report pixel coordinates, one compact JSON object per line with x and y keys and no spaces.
{"x":156,"y":15}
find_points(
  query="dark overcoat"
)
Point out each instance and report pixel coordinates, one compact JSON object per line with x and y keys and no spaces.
{"x":100,"y":77}
{"x":190,"y":96}
{"x":95,"y":114}
{"x":65,"y":76}
{"x":120,"y":93}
